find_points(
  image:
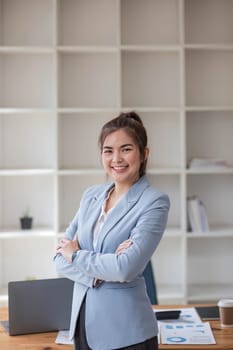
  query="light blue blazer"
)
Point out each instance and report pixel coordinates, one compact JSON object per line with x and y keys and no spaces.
{"x":118,"y":312}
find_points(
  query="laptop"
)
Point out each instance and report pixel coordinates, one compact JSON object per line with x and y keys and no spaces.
{"x":39,"y":306}
{"x":208,"y":312}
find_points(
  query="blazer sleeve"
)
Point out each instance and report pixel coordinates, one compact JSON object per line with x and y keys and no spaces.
{"x":70,"y":270}
{"x":145,"y":236}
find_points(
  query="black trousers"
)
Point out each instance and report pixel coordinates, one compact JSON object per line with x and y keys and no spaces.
{"x":80,"y":340}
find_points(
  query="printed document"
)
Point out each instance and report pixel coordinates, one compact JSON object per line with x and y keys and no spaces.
{"x":181,"y":333}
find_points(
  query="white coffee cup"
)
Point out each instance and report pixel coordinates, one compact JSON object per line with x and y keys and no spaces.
{"x":226,"y":312}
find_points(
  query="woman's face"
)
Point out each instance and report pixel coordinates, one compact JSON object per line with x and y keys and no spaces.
{"x":121,"y":158}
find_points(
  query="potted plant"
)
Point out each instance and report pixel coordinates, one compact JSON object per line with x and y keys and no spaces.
{"x":26,"y":221}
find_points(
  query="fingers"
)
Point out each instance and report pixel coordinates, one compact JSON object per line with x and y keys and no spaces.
{"x":63,"y":242}
{"x":123,"y":246}
{"x":76,"y":243}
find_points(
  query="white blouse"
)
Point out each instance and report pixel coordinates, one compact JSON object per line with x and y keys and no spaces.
{"x":101,"y":220}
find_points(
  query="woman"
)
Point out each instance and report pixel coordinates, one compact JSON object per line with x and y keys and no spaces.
{"x":110,"y":241}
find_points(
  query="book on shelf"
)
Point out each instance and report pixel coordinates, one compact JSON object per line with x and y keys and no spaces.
{"x":197,"y":216}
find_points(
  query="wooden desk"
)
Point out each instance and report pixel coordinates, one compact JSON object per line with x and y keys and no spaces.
{"x":45,"y":341}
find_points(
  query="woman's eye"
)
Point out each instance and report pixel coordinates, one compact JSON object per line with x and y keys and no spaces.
{"x":126,"y":149}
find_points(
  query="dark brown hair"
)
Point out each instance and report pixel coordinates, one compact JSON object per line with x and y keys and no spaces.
{"x":133,"y":125}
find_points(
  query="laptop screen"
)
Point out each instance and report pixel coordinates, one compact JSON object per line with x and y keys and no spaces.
{"x":40,"y":305}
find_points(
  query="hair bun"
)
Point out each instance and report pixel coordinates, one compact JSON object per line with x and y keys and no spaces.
{"x":133,"y":115}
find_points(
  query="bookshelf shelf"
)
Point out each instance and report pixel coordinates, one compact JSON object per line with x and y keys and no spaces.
{"x":15,"y":233}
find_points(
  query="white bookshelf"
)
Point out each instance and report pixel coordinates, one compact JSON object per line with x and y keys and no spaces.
{"x":209,"y":115}
{"x":66,"y":67}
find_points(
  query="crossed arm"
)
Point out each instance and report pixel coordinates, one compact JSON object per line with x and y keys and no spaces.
{"x":67,"y":247}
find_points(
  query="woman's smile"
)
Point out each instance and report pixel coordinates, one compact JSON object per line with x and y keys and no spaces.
{"x":119,"y":168}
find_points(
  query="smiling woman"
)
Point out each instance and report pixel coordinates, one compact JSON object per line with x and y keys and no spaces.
{"x":109,"y":243}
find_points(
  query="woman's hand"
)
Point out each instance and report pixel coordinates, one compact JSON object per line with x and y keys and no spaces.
{"x":67,"y":247}
{"x":123,"y":246}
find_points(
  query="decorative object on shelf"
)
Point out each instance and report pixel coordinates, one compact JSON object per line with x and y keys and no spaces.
{"x":26,"y":221}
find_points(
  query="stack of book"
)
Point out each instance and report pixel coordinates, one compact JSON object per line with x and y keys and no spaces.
{"x":197,"y":216}
{"x":208,"y":163}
